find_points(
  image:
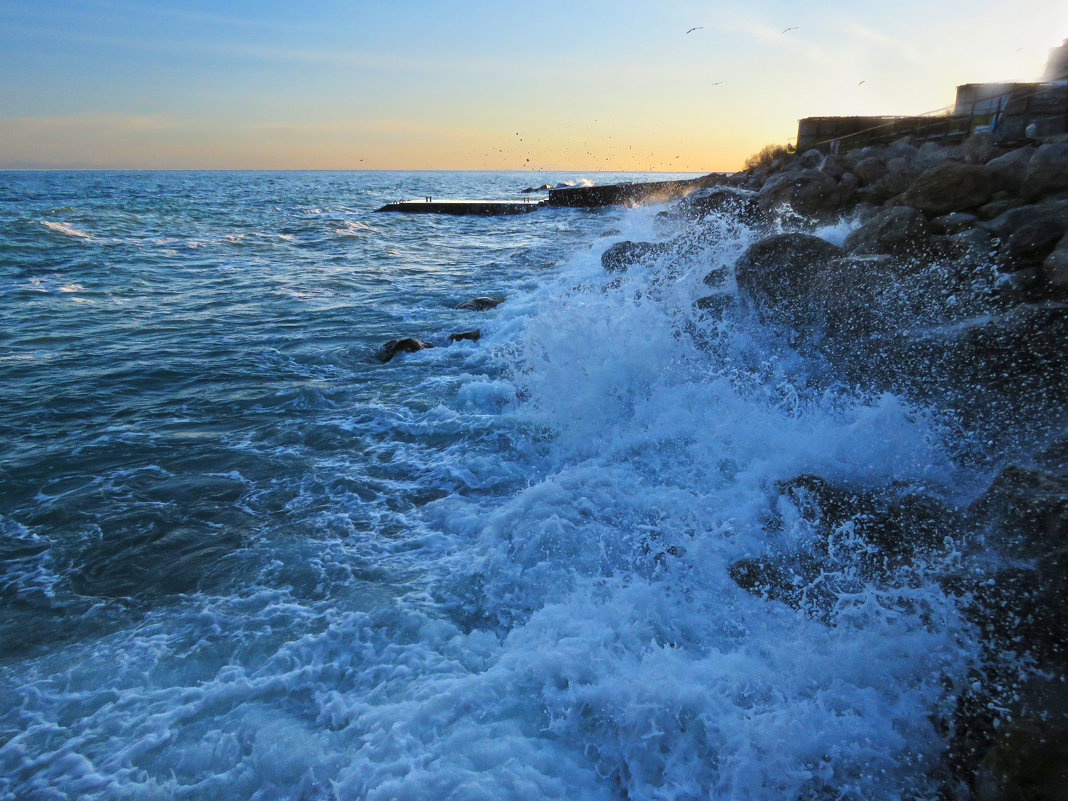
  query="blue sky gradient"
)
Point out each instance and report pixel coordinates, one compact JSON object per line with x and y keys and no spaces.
{"x":471,"y":85}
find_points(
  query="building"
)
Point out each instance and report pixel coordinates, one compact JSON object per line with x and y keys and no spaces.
{"x":1008,"y":112}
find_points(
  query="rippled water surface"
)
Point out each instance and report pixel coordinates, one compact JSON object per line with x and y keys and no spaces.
{"x":239,"y":558}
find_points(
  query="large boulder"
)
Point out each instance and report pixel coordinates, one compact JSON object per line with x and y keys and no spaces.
{"x":777,"y":271}
{"x":1030,"y":244}
{"x":623,"y":255}
{"x":1009,"y":170}
{"x":808,"y":192}
{"x":741,"y":203}
{"x":900,"y":230}
{"x":869,"y":170}
{"x":1055,"y":268}
{"x":481,"y":303}
{"x":1047,"y":172}
{"x":950,"y":187}
{"x":395,"y":346}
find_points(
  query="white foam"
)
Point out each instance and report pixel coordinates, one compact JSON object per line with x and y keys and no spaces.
{"x":65,"y":228}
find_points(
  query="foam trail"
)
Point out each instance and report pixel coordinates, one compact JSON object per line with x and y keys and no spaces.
{"x":65,"y":229}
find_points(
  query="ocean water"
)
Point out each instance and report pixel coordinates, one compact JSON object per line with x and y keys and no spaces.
{"x":241,"y":559}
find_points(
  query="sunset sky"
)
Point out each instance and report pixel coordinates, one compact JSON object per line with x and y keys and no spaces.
{"x":480,"y":85}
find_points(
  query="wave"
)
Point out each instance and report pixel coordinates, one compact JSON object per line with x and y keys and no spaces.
{"x":65,"y":229}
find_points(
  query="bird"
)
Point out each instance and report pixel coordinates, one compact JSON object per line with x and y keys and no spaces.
{"x":699,"y":27}
{"x":862,"y":82}
{"x":717,"y":83}
{"x":791,"y":28}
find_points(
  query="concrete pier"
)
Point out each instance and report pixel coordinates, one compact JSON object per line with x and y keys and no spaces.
{"x":629,"y":194}
{"x":482,"y":208}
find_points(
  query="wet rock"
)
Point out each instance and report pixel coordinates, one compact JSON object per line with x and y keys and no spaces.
{"x":1026,"y":510}
{"x":1055,"y":268}
{"x":740,"y":203}
{"x":900,"y":231}
{"x":621,"y":256}
{"x":869,"y":170}
{"x":953,"y":223}
{"x":395,"y":346}
{"x":473,"y":336}
{"x":950,"y":187}
{"x":932,"y":154}
{"x":995,"y":208}
{"x":1028,"y":761}
{"x":847,"y":189}
{"x":1047,"y":172}
{"x":808,"y":192}
{"x":1033,"y":241}
{"x":714,"y":305}
{"x":1008,"y":171}
{"x":834,"y":166}
{"x":481,"y":303}
{"x":775,"y":271}
{"x":810,"y":159}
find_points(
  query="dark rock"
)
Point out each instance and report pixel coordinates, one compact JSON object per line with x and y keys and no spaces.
{"x":1027,"y":761}
{"x":1047,"y":172}
{"x":953,"y":223}
{"x":900,"y":231}
{"x":776,"y":270}
{"x":395,"y":346}
{"x":715,"y":305}
{"x":811,"y":159}
{"x":473,"y":336}
{"x":834,"y":166}
{"x":931,"y":154}
{"x":1009,"y":170}
{"x":869,"y":170}
{"x":807,"y":192}
{"x":623,"y":255}
{"x":950,"y":187}
{"x":1055,"y":268}
{"x":995,"y":208}
{"x":721,"y":200}
{"x":1026,"y":510}
{"x":847,"y":189}
{"x":481,"y":303}
{"x":1032,"y":242}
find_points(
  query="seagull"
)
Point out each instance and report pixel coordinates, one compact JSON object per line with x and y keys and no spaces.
{"x":861,"y":83}
{"x":791,"y":28}
{"x":717,"y":83}
{"x":698,"y":28}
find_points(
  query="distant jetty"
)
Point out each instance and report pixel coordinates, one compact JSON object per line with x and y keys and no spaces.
{"x":585,"y":197}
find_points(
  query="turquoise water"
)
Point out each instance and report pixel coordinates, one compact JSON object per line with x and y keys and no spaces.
{"x":239,"y":558}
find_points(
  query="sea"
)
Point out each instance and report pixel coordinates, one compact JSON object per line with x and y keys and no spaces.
{"x":241,"y":558}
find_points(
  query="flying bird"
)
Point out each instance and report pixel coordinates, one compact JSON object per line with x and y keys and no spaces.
{"x":698,"y":28}
{"x":791,"y":28}
{"x":716,"y":83}
{"x":862,"y":82}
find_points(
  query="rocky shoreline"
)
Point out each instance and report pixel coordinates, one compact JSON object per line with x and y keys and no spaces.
{"x":951,"y":290}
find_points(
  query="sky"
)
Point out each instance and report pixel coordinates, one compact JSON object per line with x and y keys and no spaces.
{"x":536,"y":85}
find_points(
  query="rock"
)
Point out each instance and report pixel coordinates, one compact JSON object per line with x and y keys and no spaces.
{"x":1032,"y":242}
{"x":834,"y":166}
{"x":1047,"y":172}
{"x":869,"y":170}
{"x":1055,"y":267}
{"x":899,"y":176}
{"x":714,"y":305}
{"x":623,"y":255}
{"x":395,"y":346}
{"x":1026,"y":510}
{"x":481,"y":303}
{"x":1009,"y":170}
{"x":931,"y":154}
{"x":473,"y":336}
{"x":808,"y":192}
{"x":899,"y":231}
{"x":953,"y":223}
{"x":950,"y":187}
{"x":721,"y":200}
{"x":1028,"y":761}
{"x":847,"y":189}
{"x":775,"y":271}
{"x":1011,"y":220}
{"x":995,"y":208}
{"x":811,"y":159}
